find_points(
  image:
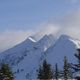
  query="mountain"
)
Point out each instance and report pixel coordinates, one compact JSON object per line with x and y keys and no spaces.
{"x":45,"y":42}
{"x":63,"y":47}
{"x":21,"y":56}
{"x":26,"y":57}
{"x":11,"y":55}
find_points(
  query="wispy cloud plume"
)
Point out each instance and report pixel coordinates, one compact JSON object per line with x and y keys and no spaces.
{"x":68,"y":24}
{"x":71,"y":24}
{"x":10,"y":38}
{"x":46,"y":29}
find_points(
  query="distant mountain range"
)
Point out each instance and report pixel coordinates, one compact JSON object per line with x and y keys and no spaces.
{"x":26,"y":57}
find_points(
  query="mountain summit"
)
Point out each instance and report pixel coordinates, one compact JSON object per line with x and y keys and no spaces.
{"x":64,"y":46}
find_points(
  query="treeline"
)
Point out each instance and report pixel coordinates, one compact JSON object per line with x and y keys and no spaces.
{"x":69,"y":71}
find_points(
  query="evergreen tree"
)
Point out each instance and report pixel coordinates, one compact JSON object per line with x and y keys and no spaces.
{"x":5,"y":72}
{"x":76,"y":67}
{"x":56,"y":72}
{"x":45,"y":71}
{"x":66,"y":72}
{"x":77,"y":55}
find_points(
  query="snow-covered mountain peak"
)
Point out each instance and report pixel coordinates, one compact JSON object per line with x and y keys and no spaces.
{"x":31,"y":39}
{"x":72,"y":39}
{"x":45,"y":42}
{"x":76,"y":42}
{"x":45,"y":37}
{"x":69,"y":38}
{"x":63,"y":47}
{"x":64,"y":37}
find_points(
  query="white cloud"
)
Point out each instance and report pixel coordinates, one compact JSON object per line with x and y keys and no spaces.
{"x":68,"y":24}
{"x":47,"y":28}
{"x":10,"y":38}
{"x":71,"y":24}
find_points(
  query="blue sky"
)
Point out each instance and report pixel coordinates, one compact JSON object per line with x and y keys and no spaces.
{"x":28,"y":14}
{"x":22,"y":18}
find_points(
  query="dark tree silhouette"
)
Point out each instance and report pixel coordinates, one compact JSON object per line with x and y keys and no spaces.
{"x":56,"y":72}
{"x":45,"y":71}
{"x":5,"y":72}
{"x":67,"y":71}
{"x":77,"y":66}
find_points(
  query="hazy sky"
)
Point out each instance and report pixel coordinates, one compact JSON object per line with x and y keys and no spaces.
{"x":28,"y":14}
{"x":21,"y":18}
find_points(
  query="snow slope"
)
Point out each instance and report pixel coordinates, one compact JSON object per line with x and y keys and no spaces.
{"x":26,"y":57}
{"x":13,"y":55}
{"x":63,"y":47}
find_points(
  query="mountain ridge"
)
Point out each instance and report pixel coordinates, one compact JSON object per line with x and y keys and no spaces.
{"x":26,"y":57}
